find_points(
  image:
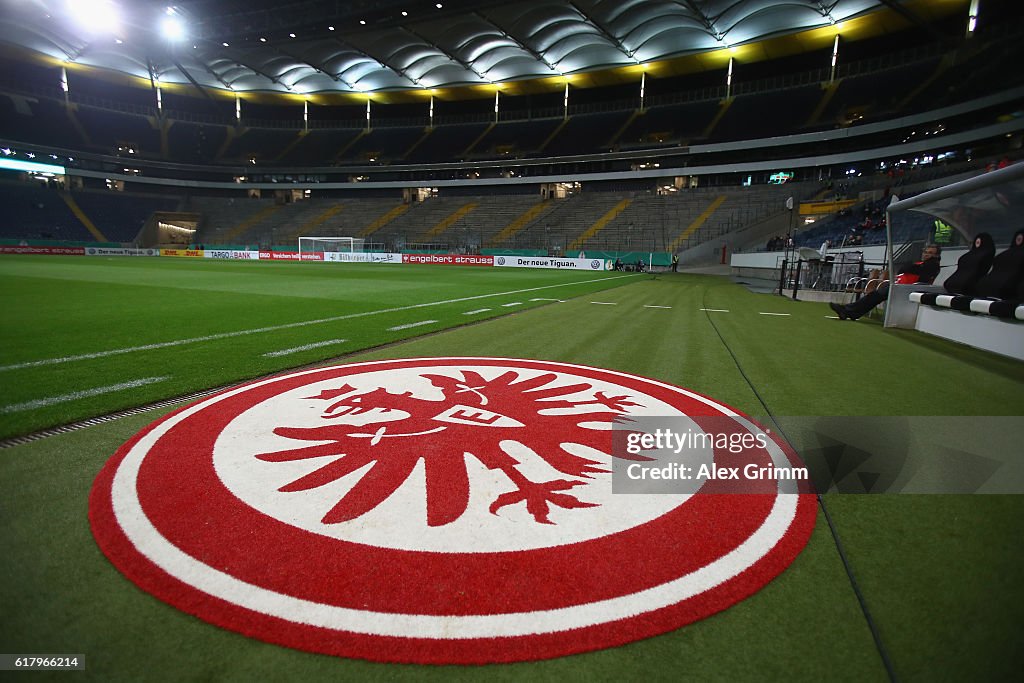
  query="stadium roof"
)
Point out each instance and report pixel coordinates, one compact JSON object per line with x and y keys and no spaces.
{"x":308,"y":47}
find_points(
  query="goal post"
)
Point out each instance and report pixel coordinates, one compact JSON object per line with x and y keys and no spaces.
{"x":313,"y":245}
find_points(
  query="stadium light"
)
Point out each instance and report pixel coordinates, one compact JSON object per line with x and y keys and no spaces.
{"x":95,"y":16}
{"x":972,"y":18}
{"x":172,"y":27}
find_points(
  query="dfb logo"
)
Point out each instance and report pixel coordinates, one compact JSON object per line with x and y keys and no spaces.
{"x":434,"y":510}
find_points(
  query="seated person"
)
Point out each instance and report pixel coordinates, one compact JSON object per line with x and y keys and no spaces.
{"x":1007,"y":272}
{"x":924,"y":272}
{"x":972,"y":266}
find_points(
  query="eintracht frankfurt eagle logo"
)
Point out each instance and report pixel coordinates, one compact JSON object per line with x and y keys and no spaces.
{"x":436,"y":510}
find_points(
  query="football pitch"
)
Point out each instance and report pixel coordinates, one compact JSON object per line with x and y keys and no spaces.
{"x":911,"y":587}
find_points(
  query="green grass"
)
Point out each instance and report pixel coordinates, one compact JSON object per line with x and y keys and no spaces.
{"x":938,"y":573}
{"x":61,"y":307}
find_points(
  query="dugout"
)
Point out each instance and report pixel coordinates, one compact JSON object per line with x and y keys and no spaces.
{"x":990,"y":203}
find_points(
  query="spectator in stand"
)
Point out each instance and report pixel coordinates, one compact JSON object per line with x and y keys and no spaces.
{"x":924,"y":271}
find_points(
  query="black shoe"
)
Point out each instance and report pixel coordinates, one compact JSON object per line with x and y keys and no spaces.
{"x":840,"y":310}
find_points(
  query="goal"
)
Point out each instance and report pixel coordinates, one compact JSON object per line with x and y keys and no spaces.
{"x":313,"y":245}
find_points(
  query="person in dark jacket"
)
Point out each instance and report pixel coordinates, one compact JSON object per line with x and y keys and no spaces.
{"x":924,"y":272}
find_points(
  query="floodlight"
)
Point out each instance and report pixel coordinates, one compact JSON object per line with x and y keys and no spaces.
{"x":172,"y":27}
{"x":94,"y":16}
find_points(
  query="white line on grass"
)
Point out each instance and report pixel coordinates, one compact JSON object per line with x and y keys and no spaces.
{"x":653,"y":306}
{"x":543,"y":299}
{"x":405,"y":327}
{"x":479,"y":310}
{"x":604,"y":303}
{"x":832,"y":317}
{"x":64,"y":398}
{"x":274,"y":328}
{"x":514,"y":303}
{"x":763,"y":313}
{"x":715,"y":310}
{"x":305,"y":347}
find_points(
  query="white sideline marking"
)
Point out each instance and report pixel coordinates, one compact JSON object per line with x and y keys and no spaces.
{"x":479,"y":310}
{"x":63,"y":398}
{"x":653,"y":306}
{"x":604,"y":303}
{"x":514,"y":303}
{"x":774,"y":313}
{"x":832,"y":317}
{"x":306,"y":347}
{"x":405,"y":327}
{"x":274,"y":328}
{"x":543,"y":299}
{"x":715,"y":310}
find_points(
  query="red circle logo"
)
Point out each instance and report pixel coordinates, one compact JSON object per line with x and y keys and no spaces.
{"x":437,"y":510}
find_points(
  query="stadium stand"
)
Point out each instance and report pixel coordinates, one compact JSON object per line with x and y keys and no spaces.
{"x":514,"y":138}
{"x":669,"y":124}
{"x":382,"y":144}
{"x":193,"y":142}
{"x":262,"y":144}
{"x":108,"y":131}
{"x":39,"y":120}
{"x":885,"y":81}
{"x":585,"y":133}
{"x":765,"y":115}
{"x":120,"y":216}
{"x":40,"y":212}
{"x":445,"y":143}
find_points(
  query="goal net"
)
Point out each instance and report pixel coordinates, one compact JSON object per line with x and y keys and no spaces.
{"x":312,"y":245}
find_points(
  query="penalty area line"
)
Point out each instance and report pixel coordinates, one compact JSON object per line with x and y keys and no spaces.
{"x":74,"y":396}
{"x":286,"y":326}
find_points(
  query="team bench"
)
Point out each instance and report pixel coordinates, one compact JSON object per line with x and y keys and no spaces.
{"x":995,"y":325}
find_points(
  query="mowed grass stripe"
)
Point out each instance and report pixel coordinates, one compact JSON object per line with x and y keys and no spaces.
{"x":258,"y":330}
{"x":113,"y":308}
